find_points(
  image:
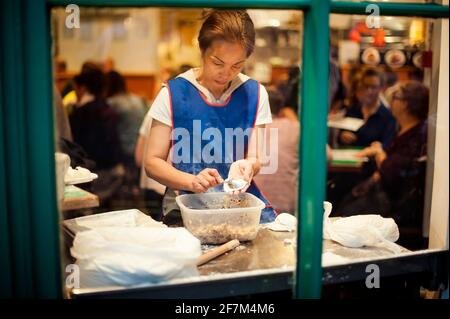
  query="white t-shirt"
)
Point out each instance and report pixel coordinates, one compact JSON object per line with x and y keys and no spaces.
{"x":145,"y":181}
{"x":160,"y":109}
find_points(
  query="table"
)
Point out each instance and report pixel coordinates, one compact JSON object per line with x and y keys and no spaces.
{"x":267,"y":265}
{"x":343,"y":162}
{"x":77,"y":198}
{"x":344,"y":167}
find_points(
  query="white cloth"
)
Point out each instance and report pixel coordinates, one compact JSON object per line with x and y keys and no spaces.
{"x":283,"y":222}
{"x":161,"y":111}
{"x":361,"y":230}
{"x":134,"y":256}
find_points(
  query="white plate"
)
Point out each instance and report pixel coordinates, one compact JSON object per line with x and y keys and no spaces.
{"x":346,"y":123}
{"x":395,"y":58}
{"x":371,"y":56}
{"x":80,"y":180}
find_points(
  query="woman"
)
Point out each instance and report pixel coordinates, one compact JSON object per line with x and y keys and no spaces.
{"x":93,"y":121}
{"x":202,"y":106}
{"x":130,"y":111}
{"x":400,"y":168}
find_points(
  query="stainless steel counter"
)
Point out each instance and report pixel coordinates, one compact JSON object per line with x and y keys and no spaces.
{"x":267,"y":264}
{"x":268,"y":251}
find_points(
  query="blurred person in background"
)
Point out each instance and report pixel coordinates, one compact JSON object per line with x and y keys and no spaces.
{"x":153,"y":191}
{"x":389,"y":86}
{"x":130,"y":114}
{"x":129,"y":109}
{"x":281,"y":187}
{"x":108,"y":65}
{"x":396,"y":188}
{"x":379,"y":124}
{"x":94,"y":128}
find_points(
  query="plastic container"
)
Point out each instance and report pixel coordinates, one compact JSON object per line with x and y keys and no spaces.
{"x":215,"y":218}
{"x":62,"y":161}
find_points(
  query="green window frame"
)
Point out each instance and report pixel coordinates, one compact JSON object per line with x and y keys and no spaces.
{"x":29,"y":218}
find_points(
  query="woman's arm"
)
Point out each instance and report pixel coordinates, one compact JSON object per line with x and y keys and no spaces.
{"x":374,"y":150}
{"x":248,"y":167}
{"x":157,"y":167}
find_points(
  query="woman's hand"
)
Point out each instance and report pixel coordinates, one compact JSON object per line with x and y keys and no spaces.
{"x":348,"y":137}
{"x":374,"y":150}
{"x":241,"y":169}
{"x":206,"y":179}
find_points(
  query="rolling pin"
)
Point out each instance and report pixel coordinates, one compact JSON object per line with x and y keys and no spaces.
{"x":213,"y":253}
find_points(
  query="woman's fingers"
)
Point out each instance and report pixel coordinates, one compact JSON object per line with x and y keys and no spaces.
{"x":200,"y":185}
{"x":198,"y":188}
{"x":215,"y":174}
{"x":246,"y":170}
{"x":207,"y":177}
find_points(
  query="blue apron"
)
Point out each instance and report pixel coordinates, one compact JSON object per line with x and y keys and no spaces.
{"x":204,"y":128}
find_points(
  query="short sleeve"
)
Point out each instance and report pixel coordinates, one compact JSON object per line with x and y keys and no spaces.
{"x":160,"y":109}
{"x":264,"y":115}
{"x":146,"y":123}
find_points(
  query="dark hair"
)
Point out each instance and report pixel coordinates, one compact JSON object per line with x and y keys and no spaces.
{"x":115,"y":83}
{"x":416,"y":96}
{"x":290,"y":90}
{"x":391,"y":77}
{"x":276,"y":101}
{"x":90,"y":65}
{"x":92,"y":78}
{"x":227,"y":25}
{"x":416,"y":74}
{"x":371,"y":71}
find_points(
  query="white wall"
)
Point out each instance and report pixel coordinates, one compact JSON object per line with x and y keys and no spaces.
{"x":137,"y":52}
{"x":438,"y":155}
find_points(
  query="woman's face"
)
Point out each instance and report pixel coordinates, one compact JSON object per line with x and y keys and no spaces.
{"x":222,"y":62}
{"x":398,"y":104}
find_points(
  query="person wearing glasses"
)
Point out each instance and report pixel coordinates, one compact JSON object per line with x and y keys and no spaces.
{"x":399,"y":179}
{"x":379,"y":124}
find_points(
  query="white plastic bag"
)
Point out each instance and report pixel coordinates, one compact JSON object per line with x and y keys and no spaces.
{"x":361,"y":230}
{"x":284,"y":223}
{"x":120,"y":218}
{"x":132,"y":256}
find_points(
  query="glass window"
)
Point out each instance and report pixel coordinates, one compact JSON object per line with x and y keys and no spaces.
{"x":382,"y":158}
{"x":108,"y":77}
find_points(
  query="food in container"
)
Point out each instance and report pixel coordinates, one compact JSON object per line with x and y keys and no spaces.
{"x":215,"y":218}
